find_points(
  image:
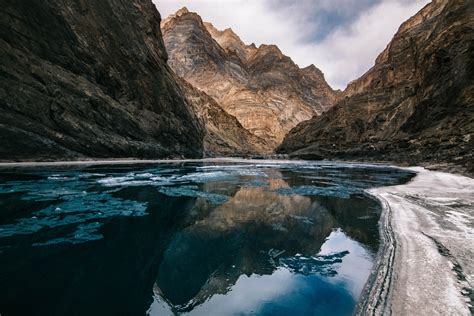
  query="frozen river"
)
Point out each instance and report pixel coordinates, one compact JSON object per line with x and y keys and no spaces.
{"x":199,"y":237}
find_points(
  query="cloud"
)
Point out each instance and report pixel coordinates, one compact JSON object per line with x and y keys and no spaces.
{"x":341,"y":37}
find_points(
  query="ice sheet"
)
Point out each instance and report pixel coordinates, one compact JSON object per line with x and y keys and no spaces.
{"x":431,"y":219}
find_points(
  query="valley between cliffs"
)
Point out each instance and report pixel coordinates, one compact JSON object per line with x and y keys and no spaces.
{"x":77,"y":85}
{"x":261,"y":87}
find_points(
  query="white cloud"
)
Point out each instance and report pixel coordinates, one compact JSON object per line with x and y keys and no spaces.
{"x":348,"y":53}
{"x":344,"y":54}
{"x":250,"y":19}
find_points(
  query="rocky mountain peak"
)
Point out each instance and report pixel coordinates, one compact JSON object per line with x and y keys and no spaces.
{"x":181,"y":11}
{"x":230,"y":33}
{"x":229,"y":41}
{"x":270,"y":49}
{"x":212,"y":29}
{"x":264,"y":89}
{"x":312,"y":69}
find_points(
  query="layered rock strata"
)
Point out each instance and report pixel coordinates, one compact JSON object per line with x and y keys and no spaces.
{"x":264,"y":89}
{"x":224,"y":136}
{"x":415,"y":106}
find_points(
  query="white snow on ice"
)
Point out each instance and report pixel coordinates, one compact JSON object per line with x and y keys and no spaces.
{"x":432,"y":219}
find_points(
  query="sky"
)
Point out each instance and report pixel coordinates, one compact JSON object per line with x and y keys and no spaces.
{"x":340,"y":37}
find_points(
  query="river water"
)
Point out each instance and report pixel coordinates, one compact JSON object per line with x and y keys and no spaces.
{"x":200,"y":237}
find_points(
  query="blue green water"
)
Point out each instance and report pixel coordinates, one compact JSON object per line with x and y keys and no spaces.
{"x":200,"y":238}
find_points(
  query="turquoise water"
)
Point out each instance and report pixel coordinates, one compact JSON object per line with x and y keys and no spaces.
{"x":199,"y":238}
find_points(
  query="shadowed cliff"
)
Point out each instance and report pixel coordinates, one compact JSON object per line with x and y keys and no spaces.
{"x":414,"y":106}
{"x":89,"y":79}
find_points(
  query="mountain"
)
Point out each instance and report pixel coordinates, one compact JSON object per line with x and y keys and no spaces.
{"x":223,"y":134}
{"x":264,"y":89}
{"x":90,"y":79}
{"x":416,"y":105}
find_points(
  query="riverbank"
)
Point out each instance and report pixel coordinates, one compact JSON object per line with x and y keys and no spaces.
{"x":270,"y":234}
{"x":126,"y":161}
{"x":425,"y":264}
{"x":444,"y":167}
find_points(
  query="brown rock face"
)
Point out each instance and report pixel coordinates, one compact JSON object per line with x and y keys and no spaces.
{"x":416,"y":105}
{"x":89,"y":79}
{"x":261,"y":87}
{"x":224,"y":135}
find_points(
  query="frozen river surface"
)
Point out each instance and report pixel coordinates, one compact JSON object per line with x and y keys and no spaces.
{"x":197,"y":237}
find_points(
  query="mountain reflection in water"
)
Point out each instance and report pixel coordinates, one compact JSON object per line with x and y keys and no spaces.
{"x":199,"y":238}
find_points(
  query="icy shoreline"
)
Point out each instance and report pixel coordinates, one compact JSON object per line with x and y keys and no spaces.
{"x":425,"y":265}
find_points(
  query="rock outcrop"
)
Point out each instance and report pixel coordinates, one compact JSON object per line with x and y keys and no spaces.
{"x":89,"y":79}
{"x":224,"y":135}
{"x":416,"y":105}
{"x":264,"y":89}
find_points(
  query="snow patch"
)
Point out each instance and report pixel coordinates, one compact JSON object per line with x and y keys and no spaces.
{"x":433,"y":226}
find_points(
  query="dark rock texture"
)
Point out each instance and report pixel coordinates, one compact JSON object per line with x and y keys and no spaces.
{"x":415,"y":106}
{"x":264,"y":89}
{"x":87,"y":78}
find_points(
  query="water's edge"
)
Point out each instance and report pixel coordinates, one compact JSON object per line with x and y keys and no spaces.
{"x":425,"y":221}
{"x":126,"y":161}
{"x":375,"y":295}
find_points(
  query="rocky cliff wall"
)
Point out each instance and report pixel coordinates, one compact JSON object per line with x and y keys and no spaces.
{"x":416,"y":105}
{"x":86,"y":78}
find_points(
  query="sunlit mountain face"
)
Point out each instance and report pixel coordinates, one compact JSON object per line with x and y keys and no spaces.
{"x":260,"y":86}
{"x":200,"y":238}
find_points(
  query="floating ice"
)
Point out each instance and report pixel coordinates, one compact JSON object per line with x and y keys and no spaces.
{"x":193,"y":191}
{"x":203,"y":177}
{"x":84,"y":233}
{"x":78,"y":197}
{"x":75,"y":211}
{"x":72,"y":203}
{"x":335,"y":191}
{"x":135,"y":180}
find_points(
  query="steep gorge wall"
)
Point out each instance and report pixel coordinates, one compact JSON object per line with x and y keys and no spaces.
{"x":86,"y":78}
{"x":416,"y":105}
